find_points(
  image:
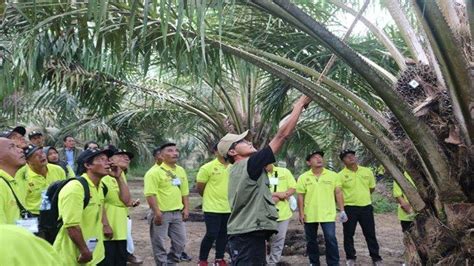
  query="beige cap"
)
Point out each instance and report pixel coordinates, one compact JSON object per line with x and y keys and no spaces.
{"x":224,"y":144}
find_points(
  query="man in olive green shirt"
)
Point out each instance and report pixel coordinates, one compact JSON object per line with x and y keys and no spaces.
{"x":358,"y":183}
{"x":212,"y":182}
{"x":253,"y":217}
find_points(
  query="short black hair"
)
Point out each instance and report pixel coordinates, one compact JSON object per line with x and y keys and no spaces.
{"x":156,"y":151}
{"x":167,"y":144}
{"x":214,"y":147}
{"x":67,"y":136}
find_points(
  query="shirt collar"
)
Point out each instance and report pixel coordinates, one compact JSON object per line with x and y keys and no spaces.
{"x":5,"y":175}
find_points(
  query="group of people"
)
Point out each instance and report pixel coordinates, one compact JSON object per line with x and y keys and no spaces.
{"x":247,"y":200}
{"x":92,"y":201}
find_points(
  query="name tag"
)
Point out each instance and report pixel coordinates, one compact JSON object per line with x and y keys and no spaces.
{"x":176,"y":181}
{"x":273,"y":181}
{"x":30,"y":224}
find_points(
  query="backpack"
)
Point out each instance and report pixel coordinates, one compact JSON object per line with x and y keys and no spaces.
{"x":49,"y":222}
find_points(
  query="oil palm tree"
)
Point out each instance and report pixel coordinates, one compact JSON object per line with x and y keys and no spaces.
{"x":410,"y":105}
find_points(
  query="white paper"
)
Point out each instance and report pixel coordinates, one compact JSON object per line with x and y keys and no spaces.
{"x":176,"y":181}
{"x":91,"y":244}
{"x":293,"y":203}
{"x":273,"y":181}
{"x":30,"y":224}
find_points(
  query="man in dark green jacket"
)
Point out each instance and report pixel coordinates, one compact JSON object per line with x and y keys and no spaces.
{"x":253,"y":217}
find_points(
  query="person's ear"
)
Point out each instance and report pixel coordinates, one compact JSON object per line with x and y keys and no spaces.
{"x":232,"y":152}
{"x":308,"y":163}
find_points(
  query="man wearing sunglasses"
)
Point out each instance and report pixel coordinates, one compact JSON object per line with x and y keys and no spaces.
{"x":253,"y":217}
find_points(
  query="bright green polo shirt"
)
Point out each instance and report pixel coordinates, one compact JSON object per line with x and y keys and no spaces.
{"x":36,"y":184}
{"x":286,"y":180}
{"x":159,"y":183}
{"x":216,"y":177}
{"x":319,"y":199}
{"x":20,"y":177}
{"x":20,"y":247}
{"x":116,"y":210}
{"x":356,"y":186}
{"x":9,"y":211}
{"x":70,"y":205}
{"x":397,"y":192}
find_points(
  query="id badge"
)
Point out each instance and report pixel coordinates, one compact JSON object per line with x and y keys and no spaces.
{"x":176,"y":181}
{"x":30,"y":224}
{"x":273,"y":181}
{"x":92,"y":243}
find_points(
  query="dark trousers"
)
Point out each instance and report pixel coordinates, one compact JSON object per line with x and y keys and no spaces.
{"x":312,"y":249}
{"x":365,"y":217}
{"x":216,"y":230}
{"x":115,"y":253}
{"x":248,"y":249}
{"x":406,"y":225}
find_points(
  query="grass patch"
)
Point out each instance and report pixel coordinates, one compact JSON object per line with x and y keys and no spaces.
{"x":382,"y":204}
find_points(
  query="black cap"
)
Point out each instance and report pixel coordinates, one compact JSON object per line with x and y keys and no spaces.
{"x":91,"y":153}
{"x":7,"y":133}
{"x":167,"y":144}
{"x":308,"y":157}
{"x":345,"y":152}
{"x":34,"y":133}
{"x":30,"y":149}
{"x":117,"y":151}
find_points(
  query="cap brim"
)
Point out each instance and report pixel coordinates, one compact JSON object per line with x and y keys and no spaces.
{"x":32,"y":151}
{"x":243,"y":135}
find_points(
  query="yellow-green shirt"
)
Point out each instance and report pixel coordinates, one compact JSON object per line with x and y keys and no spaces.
{"x":9,"y":211}
{"x":216,"y":177}
{"x":319,"y":197}
{"x":116,"y":210}
{"x":397,"y":192}
{"x":20,"y":247}
{"x":159,"y":183}
{"x":20,"y":177}
{"x":70,"y":172}
{"x":286,"y":180}
{"x":36,"y":184}
{"x":70,"y":205}
{"x":356,"y":186}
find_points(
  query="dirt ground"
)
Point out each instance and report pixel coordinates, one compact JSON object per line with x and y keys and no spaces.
{"x":387,"y":227}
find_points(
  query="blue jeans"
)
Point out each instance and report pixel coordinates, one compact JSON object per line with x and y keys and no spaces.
{"x":332,"y":251}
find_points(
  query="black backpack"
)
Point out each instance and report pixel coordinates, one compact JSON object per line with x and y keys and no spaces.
{"x":49,"y":222}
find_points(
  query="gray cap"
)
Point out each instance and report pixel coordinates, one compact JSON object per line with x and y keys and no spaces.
{"x":226,"y":142}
